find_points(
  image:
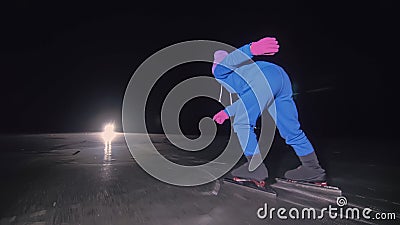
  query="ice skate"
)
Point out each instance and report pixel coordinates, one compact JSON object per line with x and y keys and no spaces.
{"x":308,"y":178}
{"x":310,"y":171}
{"x":259,"y":174}
{"x":255,"y":179}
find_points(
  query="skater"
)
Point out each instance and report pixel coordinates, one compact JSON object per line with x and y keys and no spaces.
{"x":226,"y":69}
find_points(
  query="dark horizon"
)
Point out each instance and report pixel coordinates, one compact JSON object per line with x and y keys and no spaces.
{"x":66,"y":65}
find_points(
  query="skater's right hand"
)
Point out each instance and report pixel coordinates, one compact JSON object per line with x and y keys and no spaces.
{"x":221,"y":117}
{"x":265,"y":46}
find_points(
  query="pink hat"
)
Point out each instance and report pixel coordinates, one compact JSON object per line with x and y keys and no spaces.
{"x":218,"y":57}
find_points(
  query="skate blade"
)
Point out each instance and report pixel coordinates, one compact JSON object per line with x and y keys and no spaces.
{"x":260,"y":184}
{"x":318,"y":190}
{"x":247,"y":184}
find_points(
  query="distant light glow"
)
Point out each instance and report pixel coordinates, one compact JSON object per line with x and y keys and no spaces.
{"x":108,"y":133}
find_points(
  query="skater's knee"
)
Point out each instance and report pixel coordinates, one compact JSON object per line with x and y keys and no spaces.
{"x":243,"y":128}
{"x":295,"y":137}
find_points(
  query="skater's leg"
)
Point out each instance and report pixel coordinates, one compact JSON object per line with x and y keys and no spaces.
{"x":287,"y":120}
{"x":289,"y":128}
{"x":244,"y":128}
{"x":247,"y":112}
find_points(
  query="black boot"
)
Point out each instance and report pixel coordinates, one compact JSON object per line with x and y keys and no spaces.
{"x":309,"y":171}
{"x":259,"y":174}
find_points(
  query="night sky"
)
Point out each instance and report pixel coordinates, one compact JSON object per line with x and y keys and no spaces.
{"x":65,"y":66}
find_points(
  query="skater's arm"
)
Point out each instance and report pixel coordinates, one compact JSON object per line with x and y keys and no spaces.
{"x":264,"y":46}
{"x":232,"y":61}
{"x":231,"y":110}
{"x":225,"y":71}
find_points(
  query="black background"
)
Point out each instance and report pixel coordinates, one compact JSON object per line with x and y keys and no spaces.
{"x":65,"y":65}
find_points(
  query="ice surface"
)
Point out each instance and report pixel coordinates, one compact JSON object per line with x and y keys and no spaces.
{"x":76,"y":179}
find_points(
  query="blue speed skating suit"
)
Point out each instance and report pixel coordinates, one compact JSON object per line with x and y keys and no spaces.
{"x":258,"y":84}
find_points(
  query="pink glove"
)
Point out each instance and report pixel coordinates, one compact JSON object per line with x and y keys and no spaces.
{"x":265,"y":46}
{"x":220,"y":117}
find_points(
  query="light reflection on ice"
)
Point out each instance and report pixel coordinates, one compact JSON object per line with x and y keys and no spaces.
{"x":108,"y":135}
{"x":107,"y":151}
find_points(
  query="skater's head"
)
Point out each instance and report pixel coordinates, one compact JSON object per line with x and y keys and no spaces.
{"x":218,"y":57}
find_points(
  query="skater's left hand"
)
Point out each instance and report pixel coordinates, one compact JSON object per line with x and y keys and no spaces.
{"x":265,"y":46}
{"x":221,"y":117}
